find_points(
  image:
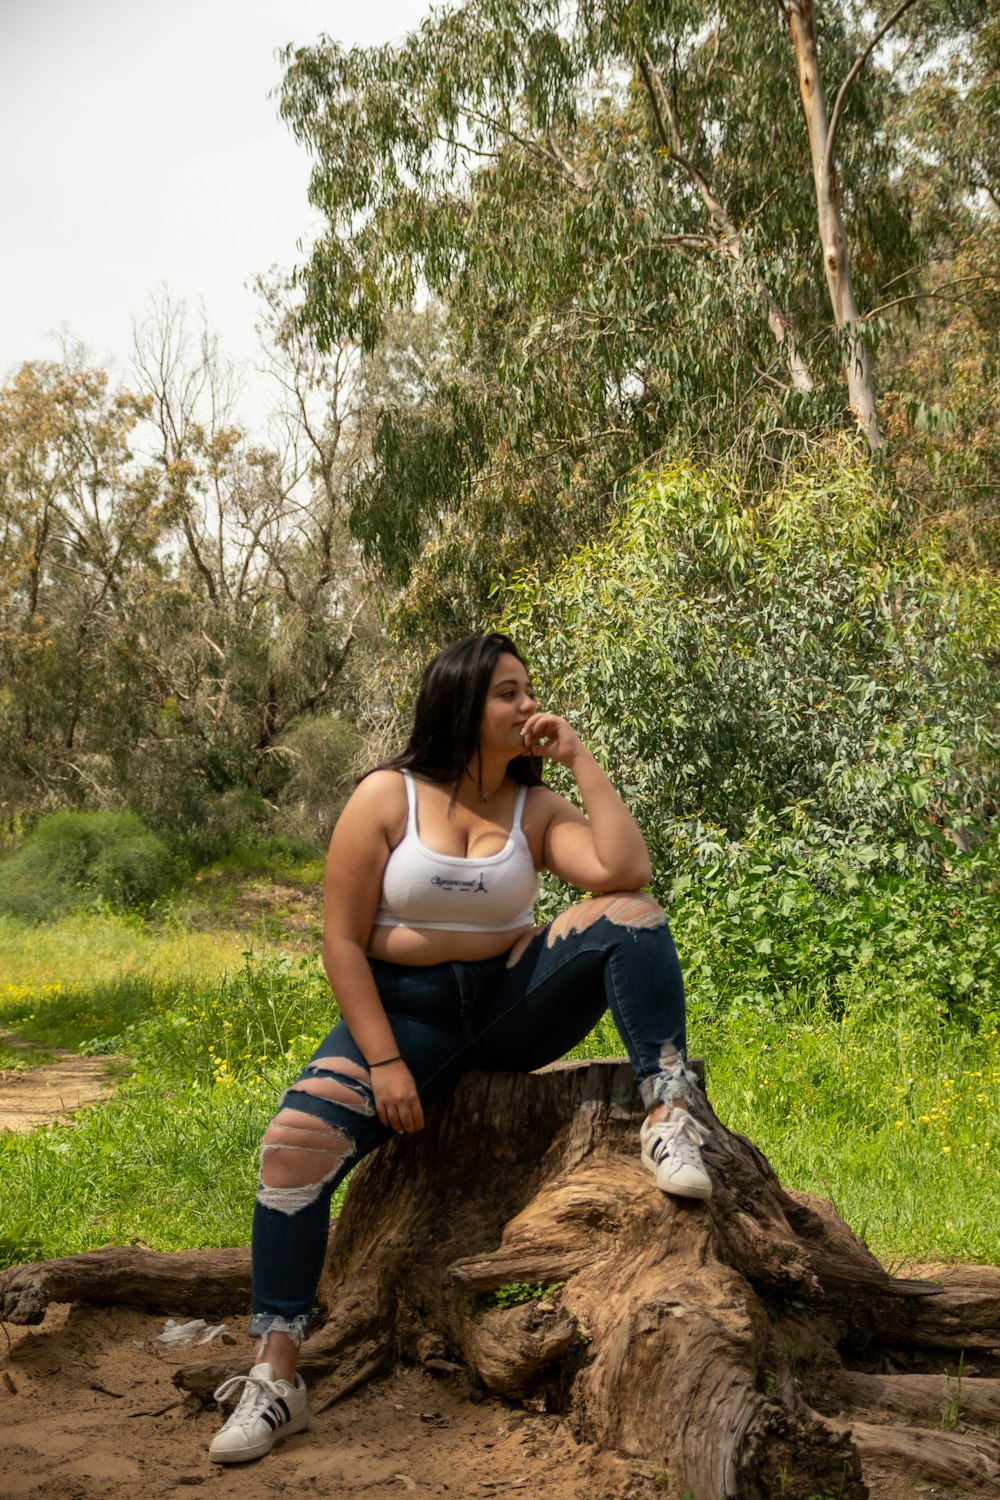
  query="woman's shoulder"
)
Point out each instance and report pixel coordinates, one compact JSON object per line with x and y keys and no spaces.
{"x":542,"y":804}
{"x":382,"y":780}
{"x":378,"y":797}
{"x":541,"y":795}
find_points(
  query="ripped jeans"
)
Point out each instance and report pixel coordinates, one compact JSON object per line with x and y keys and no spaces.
{"x":447,"y":1019}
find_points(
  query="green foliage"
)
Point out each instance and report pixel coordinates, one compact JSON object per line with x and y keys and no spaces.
{"x":514,"y":1293}
{"x":888,"y":1106}
{"x":272,"y":1011}
{"x":18,"y":1245}
{"x":952,"y":1414}
{"x":772,"y":919}
{"x":105,"y":947}
{"x":788,"y":669}
{"x":209,"y":1030}
{"x":616,"y":208}
{"x":75,"y":859}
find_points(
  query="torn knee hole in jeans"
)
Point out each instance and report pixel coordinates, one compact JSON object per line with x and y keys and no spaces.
{"x":299,"y":1156}
{"x":352,"y":1089}
{"x":632,"y":909}
{"x":345,"y":1065}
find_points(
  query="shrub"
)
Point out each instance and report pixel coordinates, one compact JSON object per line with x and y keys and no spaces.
{"x":321,"y":751}
{"x":73,"y":859}
{"x":794,"y":657}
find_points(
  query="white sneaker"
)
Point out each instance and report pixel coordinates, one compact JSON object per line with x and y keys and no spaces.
{"x":670,"y":1151}
{"x":267,"y":1411}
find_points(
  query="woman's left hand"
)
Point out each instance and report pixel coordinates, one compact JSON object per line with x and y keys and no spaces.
{"x":550,"y":736}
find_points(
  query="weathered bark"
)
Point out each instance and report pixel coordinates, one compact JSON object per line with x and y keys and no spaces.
{"x":953,"y":1458}
{"x":833,"y":236}
{"x":211,"y":1280}
{"x":927,"y":1397}
{"x":739,"y":1343}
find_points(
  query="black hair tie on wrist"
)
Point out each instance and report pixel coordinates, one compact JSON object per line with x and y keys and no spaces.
{"x":384,"y":1062}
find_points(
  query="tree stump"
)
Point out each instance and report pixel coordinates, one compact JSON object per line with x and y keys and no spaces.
{"x":734,"y":1343}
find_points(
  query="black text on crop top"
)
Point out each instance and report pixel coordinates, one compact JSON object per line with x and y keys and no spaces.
{"x":451,"y":893}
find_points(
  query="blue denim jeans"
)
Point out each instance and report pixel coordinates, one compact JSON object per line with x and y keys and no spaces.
{"x":449,"y":1018}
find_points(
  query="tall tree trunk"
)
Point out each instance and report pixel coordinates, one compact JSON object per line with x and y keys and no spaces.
{"x":836,"y":261}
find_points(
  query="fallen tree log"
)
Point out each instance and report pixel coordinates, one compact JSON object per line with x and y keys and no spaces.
{"x":214,"y":1281}
{"x":739,"y":1344}
{"x":931,"y":1398}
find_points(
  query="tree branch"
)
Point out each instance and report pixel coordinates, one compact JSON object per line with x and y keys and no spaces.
{"x":560,"y":155}
{"x":854,"y":70}
{"x":659,"y":98}
{"x":937,"y":295}
{"x":700,"y":116}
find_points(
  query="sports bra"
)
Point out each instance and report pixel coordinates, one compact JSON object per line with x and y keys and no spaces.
{"x":451,"y":893}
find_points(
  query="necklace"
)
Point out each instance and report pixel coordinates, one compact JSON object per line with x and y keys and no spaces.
{"x":485,"y":796}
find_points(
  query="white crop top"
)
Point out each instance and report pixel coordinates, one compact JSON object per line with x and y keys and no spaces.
{"x":452,"y":893}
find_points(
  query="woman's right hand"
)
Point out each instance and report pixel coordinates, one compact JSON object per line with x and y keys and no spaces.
{"x":397,"y":1102}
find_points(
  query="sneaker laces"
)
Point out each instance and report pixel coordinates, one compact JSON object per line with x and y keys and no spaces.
{"x":258,"y":1392}
{"x":682,"y":1135}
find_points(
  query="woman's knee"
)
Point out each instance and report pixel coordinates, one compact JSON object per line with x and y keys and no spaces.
{"x":300,"y":1155}
{"x":323,"y":1125}
{"x":634,"y":910}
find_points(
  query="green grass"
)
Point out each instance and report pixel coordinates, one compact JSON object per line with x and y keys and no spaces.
{"x":874,"y":1082}
{"x":890,"y":1108}
{"x":168,"y":1168}
{"x":16,"y":1059}
{"x":170,"y":1161}
{"x":96,"y":947}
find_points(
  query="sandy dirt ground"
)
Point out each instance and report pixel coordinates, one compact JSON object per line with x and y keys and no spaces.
{"x":90,"y":1412}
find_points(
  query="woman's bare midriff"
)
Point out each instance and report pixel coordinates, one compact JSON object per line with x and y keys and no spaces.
{"x":422,"y":946}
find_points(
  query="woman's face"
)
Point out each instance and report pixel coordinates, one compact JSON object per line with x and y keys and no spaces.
{"x":509,"y":703}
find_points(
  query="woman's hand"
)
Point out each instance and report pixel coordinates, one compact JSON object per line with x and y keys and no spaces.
{"x":397,"y":1102}
{"x":550,"y":736}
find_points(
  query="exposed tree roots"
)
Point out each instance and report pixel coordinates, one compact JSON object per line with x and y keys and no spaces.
{"x":737,"y":1342}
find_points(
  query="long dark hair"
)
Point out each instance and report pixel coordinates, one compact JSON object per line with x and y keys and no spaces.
{"x":449,"y":712}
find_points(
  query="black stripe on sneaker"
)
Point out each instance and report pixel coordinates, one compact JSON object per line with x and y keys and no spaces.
{"x":270,"y":1416}
{"x":282,"y":1406}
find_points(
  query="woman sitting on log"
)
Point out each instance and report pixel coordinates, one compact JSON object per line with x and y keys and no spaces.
{"x":437,"y":969}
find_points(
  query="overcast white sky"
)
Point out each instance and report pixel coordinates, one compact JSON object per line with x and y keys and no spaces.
{"x":138,"y":147}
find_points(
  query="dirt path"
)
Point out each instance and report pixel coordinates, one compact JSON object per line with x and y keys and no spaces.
{"x":90,"y":1413}
{"x":37,"y":1096}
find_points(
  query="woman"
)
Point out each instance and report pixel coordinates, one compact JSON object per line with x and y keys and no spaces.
{"x":431,"y":953}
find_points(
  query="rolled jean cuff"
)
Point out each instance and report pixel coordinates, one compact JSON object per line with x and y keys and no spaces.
{"x":674,"y":1082}
{"x":261,"y":1324}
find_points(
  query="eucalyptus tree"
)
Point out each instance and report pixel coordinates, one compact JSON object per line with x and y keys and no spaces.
{"x":614,"y":202}
{"x":944,"y":415}
{"x":79,"y":527}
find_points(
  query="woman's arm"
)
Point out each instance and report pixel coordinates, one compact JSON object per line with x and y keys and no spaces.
{"x":601,"y":848}
{"x":358,"y":853}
